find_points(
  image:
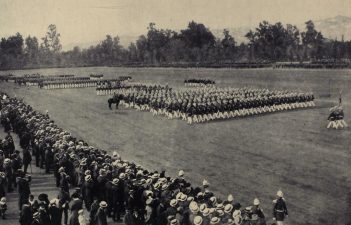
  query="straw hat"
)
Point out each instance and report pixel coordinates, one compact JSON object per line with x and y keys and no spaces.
{"x":103,"y":204}
{"x":194,"y":207}
{"x":206,"y":212}
{"x":228,"y":208}
{"x":256,"y":201}
{"x":174,"y":222}
{"x":173,"y":203}
{"x":230,"y":198}
{"x":115,"y":181}
{"x":215,"y":220}
{"x":203,"y":207}
{"x":205,"y":183}
{"x":280,"y":194}
{"x":198,"y":220}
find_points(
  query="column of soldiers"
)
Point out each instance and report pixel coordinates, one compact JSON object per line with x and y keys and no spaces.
{"x":199,"y":83}
{"x":197,"y":105}
{"x":109,"y":186}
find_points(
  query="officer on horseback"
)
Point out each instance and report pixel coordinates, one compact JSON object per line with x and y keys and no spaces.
{"x":115,"y":100}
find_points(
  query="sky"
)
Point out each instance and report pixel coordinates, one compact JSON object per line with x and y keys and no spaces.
{"x":84,"y":21}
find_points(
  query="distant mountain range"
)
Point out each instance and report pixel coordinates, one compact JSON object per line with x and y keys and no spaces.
{"x":335,"y":27}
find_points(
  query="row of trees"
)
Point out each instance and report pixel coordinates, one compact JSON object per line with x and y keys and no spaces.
{"x":196,"y":43}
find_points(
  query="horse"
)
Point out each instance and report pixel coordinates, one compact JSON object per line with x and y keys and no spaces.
{"x":114,"y":100}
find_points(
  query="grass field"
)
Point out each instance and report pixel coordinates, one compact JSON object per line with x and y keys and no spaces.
{"x":249,"y":157}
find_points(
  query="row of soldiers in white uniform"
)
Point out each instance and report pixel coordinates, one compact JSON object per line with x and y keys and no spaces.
{"x":63,"y":84}
{"x":119,"y":186}
{"x":204,"y":104}
{"x":36,"y":81}
{"x":199,"y":83}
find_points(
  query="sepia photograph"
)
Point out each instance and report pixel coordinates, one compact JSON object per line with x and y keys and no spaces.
{"x":175,"y":112}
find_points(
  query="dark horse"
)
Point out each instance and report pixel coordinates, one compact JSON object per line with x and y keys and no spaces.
{"x":114,"y":100}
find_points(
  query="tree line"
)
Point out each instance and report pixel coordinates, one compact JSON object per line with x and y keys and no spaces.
{"x":194,"y":44}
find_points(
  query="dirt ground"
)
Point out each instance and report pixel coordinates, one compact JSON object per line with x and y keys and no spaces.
{"x":249,"y":157}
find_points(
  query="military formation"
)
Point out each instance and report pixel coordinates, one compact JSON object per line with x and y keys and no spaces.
{"x":199,"y":82}
{"x":203,"y":104}
{"x":107,"y":186}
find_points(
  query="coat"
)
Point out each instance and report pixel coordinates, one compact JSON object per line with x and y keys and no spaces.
{"x":73,"y":220}
{"x":101,"y":217}
{"x":279,"y":210}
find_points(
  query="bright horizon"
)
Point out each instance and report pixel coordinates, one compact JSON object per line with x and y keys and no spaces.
{"x":87,"y":21}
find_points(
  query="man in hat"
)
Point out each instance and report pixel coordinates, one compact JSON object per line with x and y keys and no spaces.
{"x":87,"y":189}
{"x":23,"y":189}
{"x":27,"y":159}
{"x":257,"y":215}
{"x":64,"y":200}
{"x":101,"y":216}
{"x":54,"y":212}
{"x":3,"y":207}
{"x":117,"y":200}
{"x":279,"y":210}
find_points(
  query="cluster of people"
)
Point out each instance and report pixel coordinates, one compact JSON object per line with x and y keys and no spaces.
{"x":336,"y":116}
{"x":111,"y":187}
{"x":38,"y":81}
{"x":110,"y":89}
{"x":197,"y":105}
{"x":199,"y":82}
{"x":96,"y":76}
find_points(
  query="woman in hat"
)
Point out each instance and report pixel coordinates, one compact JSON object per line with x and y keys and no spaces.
{"x":279,"y":210}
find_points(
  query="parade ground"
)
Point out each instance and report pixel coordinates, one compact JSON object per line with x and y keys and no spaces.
{"x":247,"y":157}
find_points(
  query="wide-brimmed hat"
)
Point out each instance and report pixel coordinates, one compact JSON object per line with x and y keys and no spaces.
{"x":230,"y":198}
{"x":213,"y":199}
{"x":256,"y":201}
{"x":174,"y":222}
{"x":3,"y":200}
{"x":203,"y":207}
{"x":198,"y":220}
{"x":219,"y":206}
{"x":115,"y":181}
{"x":103,"y":204}
{"x":205,"y":183}
{"x":194,"y":207}
{"x":122,"y":176}
{"x":280,"y":194}
{"x":220,"y":212}
{"x":228,"y":208}
{"x":206,"y":212}
{"x":215,"y":220}
{"x":173,"y":202}
{"x":87,"y":177}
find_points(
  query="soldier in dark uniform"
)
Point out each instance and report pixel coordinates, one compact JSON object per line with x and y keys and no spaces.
{"x":279,"y":210}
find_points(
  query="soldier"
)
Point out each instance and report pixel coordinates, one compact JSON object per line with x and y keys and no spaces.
{"x":279,"y":210}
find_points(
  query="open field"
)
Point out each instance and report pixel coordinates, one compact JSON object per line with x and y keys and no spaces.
{"x":250,"y":157}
